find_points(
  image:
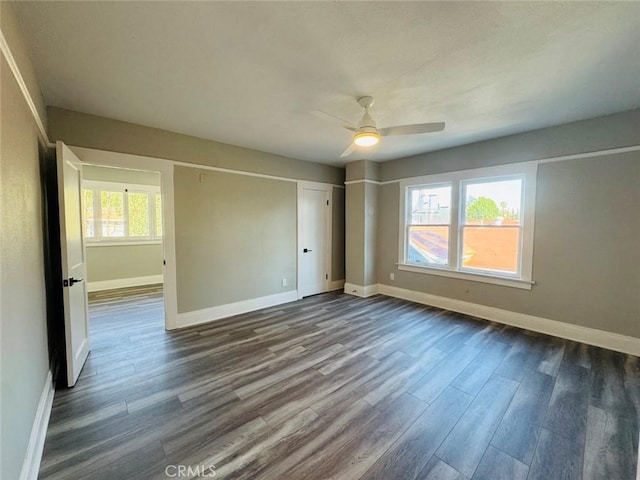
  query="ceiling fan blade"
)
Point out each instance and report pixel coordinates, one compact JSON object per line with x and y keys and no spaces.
{"x":344,"y":123}
{"x":349,"y":150}
{"x":414,"y":129}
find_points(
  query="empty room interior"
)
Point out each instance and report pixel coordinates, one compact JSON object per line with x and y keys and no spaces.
{"x":320,"y":240}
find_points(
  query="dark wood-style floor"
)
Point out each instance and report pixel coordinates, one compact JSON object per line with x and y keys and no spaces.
{"x":338,"y":387}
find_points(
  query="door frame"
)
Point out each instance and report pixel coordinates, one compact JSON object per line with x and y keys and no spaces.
{"x":328,"y":189}
{"x":90,"y":156}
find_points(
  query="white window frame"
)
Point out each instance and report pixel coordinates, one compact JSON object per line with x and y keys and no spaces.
{"x":458,"y":180}
{"x":125,"y":188}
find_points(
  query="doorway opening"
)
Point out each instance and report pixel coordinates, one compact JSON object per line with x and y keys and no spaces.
{"x":122,"y":222}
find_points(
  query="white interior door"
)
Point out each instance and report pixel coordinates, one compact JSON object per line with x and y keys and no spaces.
{"x":313,"y":251}
{"x":76,"y":317}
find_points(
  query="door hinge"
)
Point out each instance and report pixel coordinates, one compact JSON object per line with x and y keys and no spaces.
{"x":326,"y":276}
{"x":164,"y":262}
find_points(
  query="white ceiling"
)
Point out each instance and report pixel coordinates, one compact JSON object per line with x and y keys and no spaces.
{"x":250,"y":73}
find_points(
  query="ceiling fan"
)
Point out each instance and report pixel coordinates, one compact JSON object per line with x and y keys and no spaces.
{"x":367,"y":134}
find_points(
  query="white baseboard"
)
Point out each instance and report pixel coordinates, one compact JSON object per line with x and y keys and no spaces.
{"x":361,"y":291}
{"x":197,"y":317}
{"x":124,"y":282}
{"x":33,"y":456}
{"x":591,"y":336}
{"x":336,"y":285}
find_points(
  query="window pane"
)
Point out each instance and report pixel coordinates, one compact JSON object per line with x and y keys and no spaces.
{"x":87,"y":213}
{"x":428,"y":245}
{"x":493,"y":203}
{"x":158,"y":215}
{"x":491,"y":248}
{"x":111,"y":204}
{"x":138,"y":214}
{"x":430,"y":205}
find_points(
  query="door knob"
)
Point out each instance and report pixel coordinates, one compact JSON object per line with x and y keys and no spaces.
{"x":74,"y":280}
{"x":306,"y":250}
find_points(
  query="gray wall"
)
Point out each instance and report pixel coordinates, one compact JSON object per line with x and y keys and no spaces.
{"x":361,"y":223}
{"x":337,"y":234}
{"x":235,"y":277}
{"x":24,"y":361}
{"x":235,"y":237}
{"x":115,"y":262}
{"x":586,"y":261}
{"x":90,"y":131}
{"x":611,"y":131}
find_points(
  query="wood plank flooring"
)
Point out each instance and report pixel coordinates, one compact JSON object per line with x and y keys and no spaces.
{"x":338,"y":387}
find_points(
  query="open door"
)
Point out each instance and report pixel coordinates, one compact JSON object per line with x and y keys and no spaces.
{"x":76,"y":315}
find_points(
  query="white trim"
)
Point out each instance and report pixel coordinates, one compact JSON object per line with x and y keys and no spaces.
{"x":336,"y":285}
{"x":4,"y":46}
{"x":475,"y":277}
{"x":595,"y":153}
{"x":206,"y":315}
{"x":327,"y":189}
{"x":124,"y":283}
{"x":165,"y":168}
{"x":361,"y":291}
{"x":120,"y":186}
{"x":89,"y":242}
{"x":35,"y":447}
{"x":228,"y":170}
{"x":527,"y":171}
{"x":638,"y":467}
{"x":591,"y":336}
{"x":561,"y":158}
{"x":366,"y":180}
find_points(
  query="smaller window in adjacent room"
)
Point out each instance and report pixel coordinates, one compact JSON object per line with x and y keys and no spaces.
{"x":474,"y":224}
{"x":114,"y":212}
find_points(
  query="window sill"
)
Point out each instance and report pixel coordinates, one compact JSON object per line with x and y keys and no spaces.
{"x":475,"y":277}
{"x":123,"y":243}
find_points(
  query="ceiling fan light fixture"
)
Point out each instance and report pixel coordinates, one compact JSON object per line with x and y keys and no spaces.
{"x":366,"y":139}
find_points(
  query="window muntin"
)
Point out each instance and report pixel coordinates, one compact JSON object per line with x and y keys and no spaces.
{"x":429,"y":225}
{"x":489,"y":233}
{"x":114,"y":212}
{"x":490,"y":226}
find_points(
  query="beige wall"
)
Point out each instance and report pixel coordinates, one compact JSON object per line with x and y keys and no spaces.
{"x":115,"y":262}
{"x":90,"y":131}
{"x":235,"y":237}
{"x":11,"y":30}
{"x":24,"y":361}
{"x":586,"y":261}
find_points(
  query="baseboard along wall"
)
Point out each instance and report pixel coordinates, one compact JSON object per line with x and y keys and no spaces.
{"x":197,"y":317}
{"x":591,"y":336}
{"x":33,"y":456}
{"x":124,"y":283}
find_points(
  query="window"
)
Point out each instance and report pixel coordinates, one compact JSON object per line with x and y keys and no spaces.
{"x":114,"y":212}
{"x":474,"y":224}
